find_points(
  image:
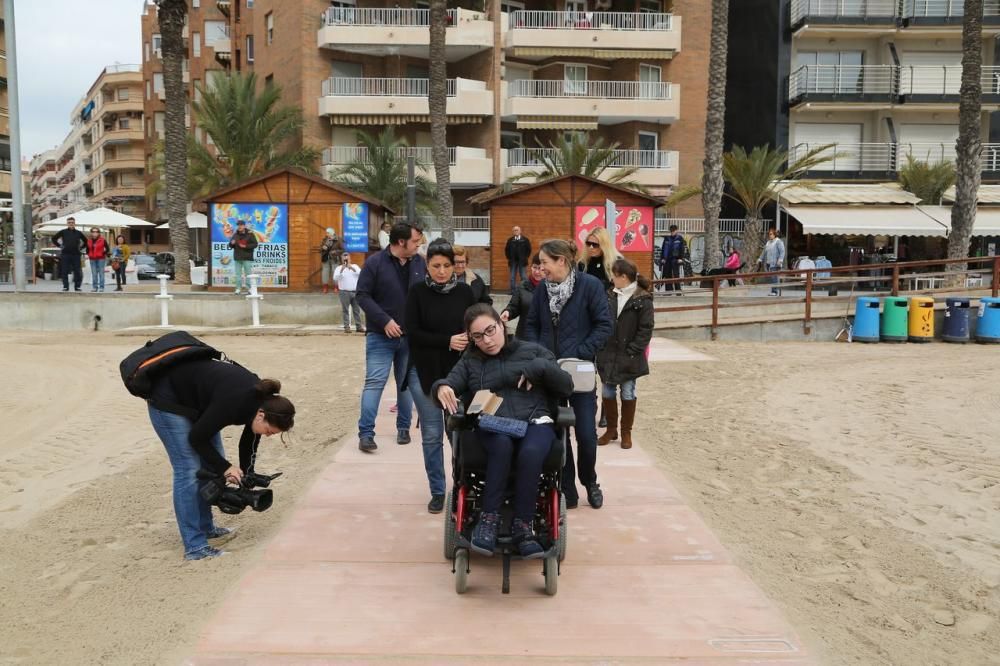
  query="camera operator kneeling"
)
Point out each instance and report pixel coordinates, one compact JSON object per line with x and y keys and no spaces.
{"x":189,"y":406}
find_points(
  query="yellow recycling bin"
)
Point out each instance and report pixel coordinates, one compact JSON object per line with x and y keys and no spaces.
{"x":921,"y":319}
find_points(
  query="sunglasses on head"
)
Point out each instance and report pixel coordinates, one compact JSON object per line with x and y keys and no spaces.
{"x":488,"y":331}
{"x":593,"y":244}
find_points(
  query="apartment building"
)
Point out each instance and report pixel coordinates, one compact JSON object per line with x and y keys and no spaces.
{"x":5,"y":162}
{"x":879,"y":79}
{"x":520,"y":75}
{"x":101,"y":160}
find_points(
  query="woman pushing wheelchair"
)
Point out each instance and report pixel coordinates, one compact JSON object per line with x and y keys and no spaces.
{"x":530,"y":383}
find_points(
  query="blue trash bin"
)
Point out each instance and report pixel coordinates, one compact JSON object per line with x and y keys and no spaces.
{"x":866,"y":319}
{"x":988,"y":320}
{"x":956,"y":320}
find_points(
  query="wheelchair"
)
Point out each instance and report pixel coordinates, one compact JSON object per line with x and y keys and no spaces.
{"x":464,"y":503}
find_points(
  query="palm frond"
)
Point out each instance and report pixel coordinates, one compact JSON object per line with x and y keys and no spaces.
{"x":928,"y":181}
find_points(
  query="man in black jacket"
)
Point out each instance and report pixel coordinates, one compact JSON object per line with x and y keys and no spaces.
{"x":517,"y":251}
{"x":243,"y":243}
{"x":73,"y":243}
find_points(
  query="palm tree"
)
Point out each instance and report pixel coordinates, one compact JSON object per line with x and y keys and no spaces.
{"x":437,"y":104}
{"x":250,"y":133}
{"x":969,"y":147}
{"x":379,"y":171}
{"x":580,"y":157}
{"x":925,"y":180}
{"x":712,"y":183}
{"x":171,"y":15}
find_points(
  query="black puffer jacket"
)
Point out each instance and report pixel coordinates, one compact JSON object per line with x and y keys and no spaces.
{"x":624,"y":356}
{"x":501,"y":374}
{"x":519,"y":305}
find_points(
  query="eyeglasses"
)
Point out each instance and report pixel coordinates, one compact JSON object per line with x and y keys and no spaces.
{"x":488,"y":331}
{"x":593,"y":244}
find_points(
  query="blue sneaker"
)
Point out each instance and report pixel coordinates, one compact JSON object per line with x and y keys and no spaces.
{"x":484,"y":534}
{"x":203,"y":553}
{"x":524,"y":537}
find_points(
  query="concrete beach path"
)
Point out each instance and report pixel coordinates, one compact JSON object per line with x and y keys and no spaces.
{"x":357,"y":576}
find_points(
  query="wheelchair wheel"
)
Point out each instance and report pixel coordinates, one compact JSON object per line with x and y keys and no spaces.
{"x":461,"y":570}
{"x":450,"y":535}
{"x":551,"y":569}
{"x":563,"y":530}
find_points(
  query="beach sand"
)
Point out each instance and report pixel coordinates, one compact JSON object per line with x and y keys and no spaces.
{"x":858,"y":485}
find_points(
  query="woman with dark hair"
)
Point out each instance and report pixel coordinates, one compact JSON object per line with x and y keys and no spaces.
{"x":623,"y":359}
{"x":189,"y":406}
{"x":435,"y":329}
{"x":528,"y":379}
{"x":119,"y":260}
{"x":520,"y":302}
{"x":570,"y":318}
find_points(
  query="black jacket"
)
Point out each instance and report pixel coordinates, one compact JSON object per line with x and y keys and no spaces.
{"x":243,"y":246}
{"x":431,"y":319}
{"x":624,"y":356}
{"x":518,"y":252}
{"x":501,"y":374}
{"x":584,"y":323}
{"x":595,"y":267}
{"x":519,"y":305}
{"x":70,"y":241}
{"x":479,"y":289}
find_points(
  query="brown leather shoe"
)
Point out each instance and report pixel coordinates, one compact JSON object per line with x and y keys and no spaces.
{"x":611,"y":413}
{"x":628,"y":418}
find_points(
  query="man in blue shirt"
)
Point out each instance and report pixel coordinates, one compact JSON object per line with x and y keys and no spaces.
{"x":672,"y":258}
{"x":383,"y":284}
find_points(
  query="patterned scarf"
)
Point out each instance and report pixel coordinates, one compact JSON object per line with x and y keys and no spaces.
{"x":560,"y":292}
{"x":441,"y":288}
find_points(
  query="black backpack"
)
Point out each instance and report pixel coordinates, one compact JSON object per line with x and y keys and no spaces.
{"x":141,"y":368}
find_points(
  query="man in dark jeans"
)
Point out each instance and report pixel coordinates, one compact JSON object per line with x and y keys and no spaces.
{"x":72,"y":242}
{"x":672,"y":257}
{"x":517,"y":251}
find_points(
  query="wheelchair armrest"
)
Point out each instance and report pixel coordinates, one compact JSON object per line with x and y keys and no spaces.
{"x":565,"y":417}
{"x":460,"y":421}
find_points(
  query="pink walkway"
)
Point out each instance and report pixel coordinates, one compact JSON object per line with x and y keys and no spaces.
{"x":357,"y":575}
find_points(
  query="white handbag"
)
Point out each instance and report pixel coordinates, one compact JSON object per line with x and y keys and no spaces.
{"x":584,"y":374}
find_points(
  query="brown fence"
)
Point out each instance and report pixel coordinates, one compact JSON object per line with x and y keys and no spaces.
{"x":801,"y":285}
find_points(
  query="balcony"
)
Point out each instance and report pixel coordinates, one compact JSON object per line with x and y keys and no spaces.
{"x":461,"y":222}
{"x":918,"y":13}
{"x":221,"y":44}
{"x":603,"y":35}
{"x":402,"y":32}
{"x":119,"y":137}
{"x":132,"y":161}
{"x":656,"y":168}
{"x":885,"y":85}
{"x":927,"y":83}
{"x":541,"y":104}
{"x":126,"y":191}
{"x":807,"y":14}
{"x":869,"y":161}
{"x":470,"y":167}
{"x":357,"y":101}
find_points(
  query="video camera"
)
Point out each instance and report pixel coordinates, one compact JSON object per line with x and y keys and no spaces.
{"x":233,"y":499}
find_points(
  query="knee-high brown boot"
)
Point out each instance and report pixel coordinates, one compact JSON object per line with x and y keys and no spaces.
{"x":611,"y":414}
{"x":628,"y":418}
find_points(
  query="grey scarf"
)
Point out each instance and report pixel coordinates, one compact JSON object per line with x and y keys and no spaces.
{"x":560,"y":292}
{"x":441,"y":288}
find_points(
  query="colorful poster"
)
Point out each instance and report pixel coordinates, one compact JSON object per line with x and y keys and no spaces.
{"x":355,"y":217}
{"x":633,"y":224}
{"x":269,"y":224}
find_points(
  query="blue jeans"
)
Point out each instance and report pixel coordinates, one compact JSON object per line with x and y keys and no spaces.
{"x":431,"y":433}
{"x":532,"y":449}
{"x":515,"y":270}
{"x":610,"y":391}
{"x":97,"y":273}
{"x":242,"y":275}
{"x":381,"y":354}
{"x":194,"y":515}
{"x":585,"y":431}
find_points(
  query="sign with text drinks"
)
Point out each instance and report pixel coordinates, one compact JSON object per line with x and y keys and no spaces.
{"x":268,"y":223}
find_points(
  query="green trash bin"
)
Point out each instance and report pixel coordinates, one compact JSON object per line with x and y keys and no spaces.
{"x":895,"y":322}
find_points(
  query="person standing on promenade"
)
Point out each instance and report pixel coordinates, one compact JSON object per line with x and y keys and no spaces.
{"x":73,"y":243}
{"x":517,"y":250}
{"x":243,"y":243}
{"x":384,"y":282}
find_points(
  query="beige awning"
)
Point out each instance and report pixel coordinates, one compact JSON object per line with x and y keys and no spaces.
{"x":398,"y":119}
{"x":988,"y":194}
{"x":902,"y":220}
{"x":557,"y":122}
{"x":605,"y":54}
{"x":987,"y":219}
{"x":880,"y":194}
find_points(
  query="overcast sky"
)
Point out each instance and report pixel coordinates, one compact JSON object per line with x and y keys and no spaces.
{"x":62,"y":46}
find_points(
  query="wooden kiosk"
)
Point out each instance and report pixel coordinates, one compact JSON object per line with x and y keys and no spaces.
{"x":288,"y":211}
{"x":569,"y":207}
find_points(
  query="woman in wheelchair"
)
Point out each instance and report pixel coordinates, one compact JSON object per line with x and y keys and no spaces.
{"x":530,"y":382}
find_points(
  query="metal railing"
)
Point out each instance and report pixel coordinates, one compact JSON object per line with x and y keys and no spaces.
{"x":838,"y":9}
{"x":359,"y":87}
{"x":696,"y":225}
{"x":349,"y":154}
{"x":885,"y":80}
{"x":599,"y":89}
{"x":850,"y":156}
{"x":544,"y":20}
{"x":944,"y":8}
{"x":389,"y":17}
{"x":122,"y":69}
{"x":943,"y":80}
{"x":643,"y":159}
{"x":461,"y":222}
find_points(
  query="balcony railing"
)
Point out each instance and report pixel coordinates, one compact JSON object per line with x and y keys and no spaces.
{"x":599,"y":89}
{"x":888,"y":157}
{"x":885,"y":80}
{"x":462,"y":222}
{"x":542,"y":20}
{"x":696,"y":225}
{"x":358,"y":87}
{"x":339,"y":155}
{"x":943,"y":80}
{"x":843,"y":9}
{"x":389,"y":17}
{"x":122,"y":69}
{"x":642,"y":159}
{"x":945,"y":8}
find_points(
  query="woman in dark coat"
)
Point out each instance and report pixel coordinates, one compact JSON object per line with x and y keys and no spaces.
{"x":623,"y":358}
{"x":520,"y":302}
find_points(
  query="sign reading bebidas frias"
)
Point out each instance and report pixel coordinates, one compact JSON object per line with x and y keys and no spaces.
{"x":269,"y":225}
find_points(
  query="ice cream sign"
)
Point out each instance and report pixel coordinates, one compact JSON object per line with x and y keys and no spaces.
{"x":630,"y":226}
{"x":268,"y":223}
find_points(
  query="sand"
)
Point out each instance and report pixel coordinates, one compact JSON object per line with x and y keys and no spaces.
{"x":859,"y":487}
